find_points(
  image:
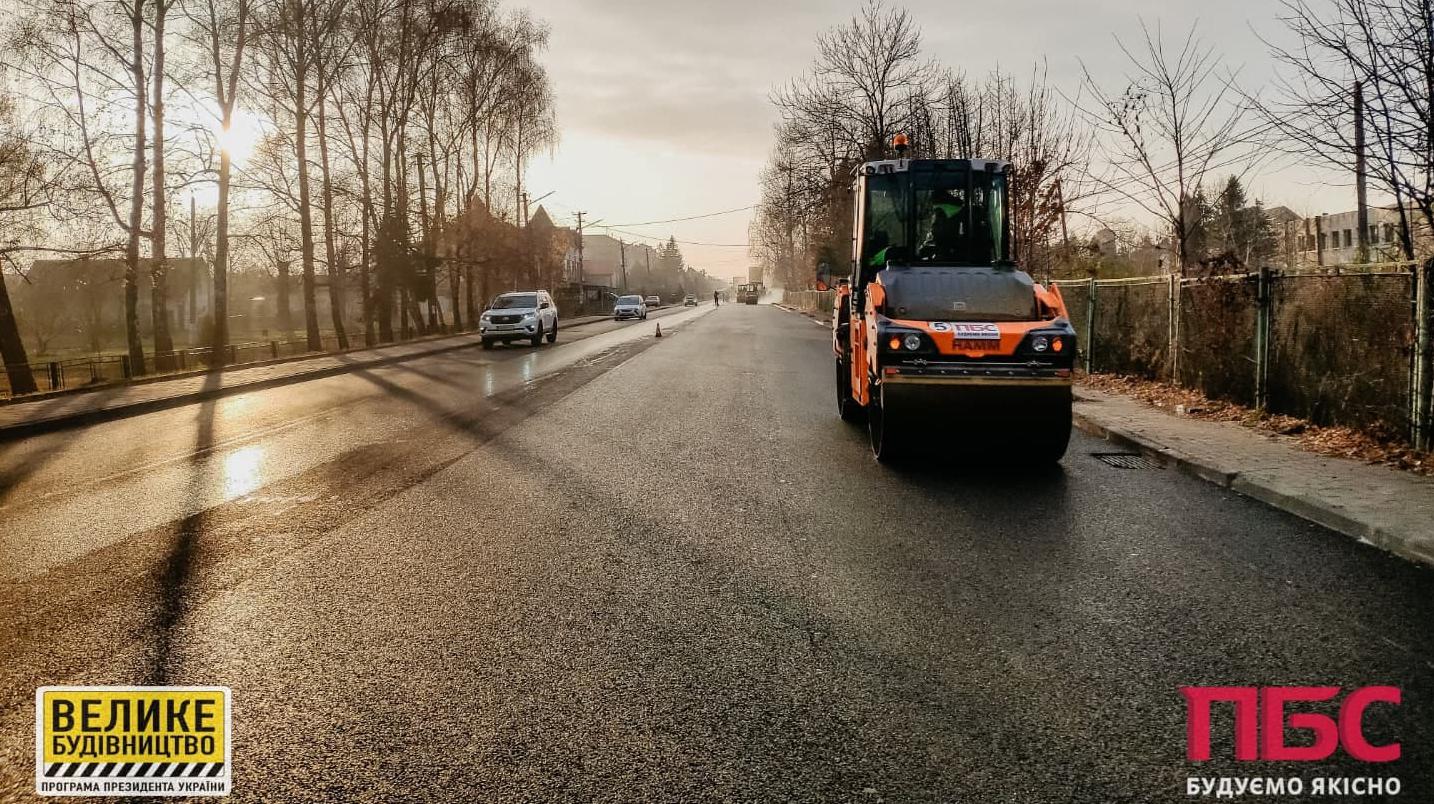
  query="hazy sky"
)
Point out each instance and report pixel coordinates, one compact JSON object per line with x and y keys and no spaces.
{"x":664,"y":109}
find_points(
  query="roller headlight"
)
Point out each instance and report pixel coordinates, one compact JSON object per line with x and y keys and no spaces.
{"x":1041,"y":343}
{"x":912,"y":342}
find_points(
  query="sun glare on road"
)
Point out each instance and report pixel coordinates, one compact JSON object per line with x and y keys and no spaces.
{"x":241,"y":471}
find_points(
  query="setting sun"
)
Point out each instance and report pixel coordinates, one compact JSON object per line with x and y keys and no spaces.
{"x":243,"y":136}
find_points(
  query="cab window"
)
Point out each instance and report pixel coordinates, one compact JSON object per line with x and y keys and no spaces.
{"x":959,"y":217}
{"x":886,"y":218}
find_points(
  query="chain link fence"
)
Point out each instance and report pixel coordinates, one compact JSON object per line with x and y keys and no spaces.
{"x":1348,"y":345}
{"x":1216,"y":338}
{"x":817,"y":301}
{"x":1342,"y":349}
{"x":1131,"y":328}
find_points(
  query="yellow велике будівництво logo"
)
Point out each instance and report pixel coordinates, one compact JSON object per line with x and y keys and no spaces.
{"x":159,"y":741}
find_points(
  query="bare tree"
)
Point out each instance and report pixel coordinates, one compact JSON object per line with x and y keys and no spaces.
{"x":24,"y":188}
{"x":221,"y":31}
{"x":85,"y":64}
{"x":862,"y":85}
{"x":1174,"y":121}
{"x":1381,"y":52}
{"x":869,"y":82}
{"x":331,"y":54}
{"x":159,"y":220}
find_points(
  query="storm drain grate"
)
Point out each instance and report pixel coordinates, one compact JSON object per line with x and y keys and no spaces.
{"x":1126,"y":460}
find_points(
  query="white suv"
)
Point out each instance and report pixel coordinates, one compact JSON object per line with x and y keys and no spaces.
{"x":629,"y":307}
{"x":521,"y":315}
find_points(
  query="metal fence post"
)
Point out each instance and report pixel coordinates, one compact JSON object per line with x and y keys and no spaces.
{"x":1262,"y":338}
{"x":1421,"y":388}
{"x":126,"y":369}
{"x":1174,"y":333}
{"x":1090,"y":326}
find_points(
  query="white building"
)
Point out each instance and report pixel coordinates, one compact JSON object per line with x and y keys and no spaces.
{"x":1333,"y":239}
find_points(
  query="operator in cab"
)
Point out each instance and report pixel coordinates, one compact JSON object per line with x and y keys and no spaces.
{"x":947,"y":226}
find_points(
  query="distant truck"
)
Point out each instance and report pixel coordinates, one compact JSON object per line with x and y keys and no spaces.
{"x":749,"y":293}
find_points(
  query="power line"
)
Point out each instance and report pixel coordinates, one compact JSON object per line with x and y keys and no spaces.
{"x":692,"y":217}
{"x":683,"y":242}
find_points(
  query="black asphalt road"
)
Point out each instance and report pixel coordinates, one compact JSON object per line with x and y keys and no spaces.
{"x":629,"y":569}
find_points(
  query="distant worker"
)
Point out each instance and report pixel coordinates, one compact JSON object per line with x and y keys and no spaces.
{"x":715,"y":301}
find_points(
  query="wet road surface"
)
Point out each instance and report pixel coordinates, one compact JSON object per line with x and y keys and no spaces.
{"x":630,"y":569}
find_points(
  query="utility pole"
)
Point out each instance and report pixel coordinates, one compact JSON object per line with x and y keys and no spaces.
{"x":580,"y":248}
{"x":622,"y":261}
{"x":1319,"y":239}
{"x":1360,"y":175}
{"x":527,"y":236}
{"x":1065,"y":232}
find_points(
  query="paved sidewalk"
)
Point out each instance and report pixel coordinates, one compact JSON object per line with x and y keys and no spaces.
{"x":1385,"y":507}
{"x":21,"y":418}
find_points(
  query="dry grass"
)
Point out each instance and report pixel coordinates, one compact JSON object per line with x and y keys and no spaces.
{"x":1341,"y":442}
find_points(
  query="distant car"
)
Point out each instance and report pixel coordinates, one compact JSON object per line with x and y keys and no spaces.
{"x":527,"y":315}
{"x":689,"y":301}
{"x":653,"y":301}
{"x":629,"y":307}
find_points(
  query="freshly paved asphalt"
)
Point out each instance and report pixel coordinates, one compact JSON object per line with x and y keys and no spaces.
{"x":629,"y":569}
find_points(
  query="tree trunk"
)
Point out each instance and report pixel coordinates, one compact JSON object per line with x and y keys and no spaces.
{"x":365,"y":242}
{"x":453,"y":294}
{"x":159,"y":268}
{"x":136,"y":201}
{"x":306,"y":217}
{"x":336,"y":271}
{"x":226,"y":95}
{"x":430,"y":283}
{"x":221,"y":257}
{"x":12,"y":348}
{"x":468,"y":301}
{"x":403,"y":331}
{"x":365,"y":263}
{"x":385,"y":256}
{"x":286,"y":324}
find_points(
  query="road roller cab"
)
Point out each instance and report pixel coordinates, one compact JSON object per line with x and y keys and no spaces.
{"x":940,"y":339}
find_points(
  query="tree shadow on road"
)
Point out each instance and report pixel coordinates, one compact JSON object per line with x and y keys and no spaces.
{"x":429,"y":375}
{"x":23,"y":458}
{"x":171,"y":597}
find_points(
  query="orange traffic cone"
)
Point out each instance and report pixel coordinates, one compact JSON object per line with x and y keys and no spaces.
{"x":659,"y":329}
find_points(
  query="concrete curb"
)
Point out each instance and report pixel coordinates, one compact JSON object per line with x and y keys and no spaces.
{"x":1314,"y":510}
{"x":810,"y":316}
